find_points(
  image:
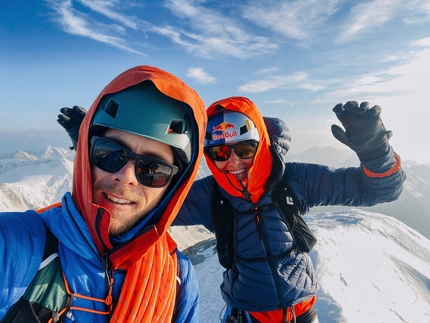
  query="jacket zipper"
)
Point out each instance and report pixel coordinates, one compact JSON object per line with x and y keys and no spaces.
{"x":263,"y":237}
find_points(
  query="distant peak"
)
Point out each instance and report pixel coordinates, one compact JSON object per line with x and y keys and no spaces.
{"x":22,"y":155}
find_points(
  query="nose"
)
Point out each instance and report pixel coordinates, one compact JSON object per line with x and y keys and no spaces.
{"x":126,"y":175}
{"x":233,"y":159}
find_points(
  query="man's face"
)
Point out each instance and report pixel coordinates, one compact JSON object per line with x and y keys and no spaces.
{"x":127,"y":200}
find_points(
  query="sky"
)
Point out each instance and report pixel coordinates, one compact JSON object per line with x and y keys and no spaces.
{"x":295,"y":59}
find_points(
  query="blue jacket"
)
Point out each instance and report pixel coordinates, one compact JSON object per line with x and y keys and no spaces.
{"x":279,"y":283}
{"x":22,"y":240}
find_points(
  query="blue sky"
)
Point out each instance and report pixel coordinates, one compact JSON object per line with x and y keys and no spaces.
{"x":294,"y":59}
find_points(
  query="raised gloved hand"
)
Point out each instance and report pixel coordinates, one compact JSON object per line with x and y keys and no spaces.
{"x":70,"y":119}
{"x":364,"y":131}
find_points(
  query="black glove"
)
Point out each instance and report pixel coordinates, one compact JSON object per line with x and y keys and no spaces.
{"x":364,"y":131}
{"x":71,"y":119}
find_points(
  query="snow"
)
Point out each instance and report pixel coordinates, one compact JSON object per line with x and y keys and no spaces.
{"x":35,"y":180}
{"x":371,"y":267}
{"x":187,"y":236}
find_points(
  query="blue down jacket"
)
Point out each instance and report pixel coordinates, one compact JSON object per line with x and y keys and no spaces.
{"x":279,"y":283}
{"x":22,"y":254}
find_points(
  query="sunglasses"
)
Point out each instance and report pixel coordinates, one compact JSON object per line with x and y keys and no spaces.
{"x":110,"y":157}
{"x":243,"y":150}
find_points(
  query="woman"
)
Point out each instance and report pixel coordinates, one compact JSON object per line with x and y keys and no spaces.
{"x":269,"y":279}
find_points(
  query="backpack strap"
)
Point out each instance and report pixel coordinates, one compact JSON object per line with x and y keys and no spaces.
{"x":46,"y":295}
{"x":224,"y":222}
{"x":292,"y":215}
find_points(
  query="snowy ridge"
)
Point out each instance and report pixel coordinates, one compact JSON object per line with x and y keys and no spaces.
{"x":370,"y":267}
{"x":34,"y":180}
{"x":9,"y":200}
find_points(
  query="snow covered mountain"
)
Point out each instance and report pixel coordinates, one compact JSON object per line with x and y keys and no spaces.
{"x":371,"y":267}
{"x":31,"y":180}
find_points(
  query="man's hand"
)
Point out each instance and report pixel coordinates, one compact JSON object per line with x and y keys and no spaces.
{"x":364,"y":131}
{"x":70,"y":119}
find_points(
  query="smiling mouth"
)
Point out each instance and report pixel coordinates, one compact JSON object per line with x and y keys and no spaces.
{"x":236,"y":172}
{"x":118,"y":200}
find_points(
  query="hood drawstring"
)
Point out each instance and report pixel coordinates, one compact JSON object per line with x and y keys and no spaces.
{"x":244,"y":190}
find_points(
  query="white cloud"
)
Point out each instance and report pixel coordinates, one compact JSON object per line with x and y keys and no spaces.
{"x":200,"y":75}
{"x":212,"y":34}
{"x":365,"y":17}
{"x":422,"y":42}
{"x":199,"y":30}
{"x":269,"y":70}
{"x":297,"y":19}
{"x":78,"y":23}
{"x":420,"y":12}
{"x":297,"y":80}
{"x":282,"y":102}
{"x":392,"y":58}
{"x":108,"y":8}
{"x":409,"y":79}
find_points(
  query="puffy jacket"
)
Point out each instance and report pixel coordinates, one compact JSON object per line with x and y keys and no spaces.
{"x":80,"y":260}
{"x":146,"y":256}
{"x":280,"y":283}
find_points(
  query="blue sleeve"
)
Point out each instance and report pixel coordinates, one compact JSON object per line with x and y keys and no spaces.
{"x":187,"y":306}
{"x":196,"y":208}
{"x":22,"y":241}
{"x":320,"y":185}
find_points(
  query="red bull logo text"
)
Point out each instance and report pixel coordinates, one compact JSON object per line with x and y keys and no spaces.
{"x":223,"y":127}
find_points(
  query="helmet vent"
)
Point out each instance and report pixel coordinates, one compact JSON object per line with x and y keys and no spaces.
{"x":243,"y":129}
{"x":179,"y":126}
{"x":111,"y":108}
{"x":176,"y":126}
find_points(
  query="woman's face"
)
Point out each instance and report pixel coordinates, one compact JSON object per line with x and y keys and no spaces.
{"x":235,"y":166}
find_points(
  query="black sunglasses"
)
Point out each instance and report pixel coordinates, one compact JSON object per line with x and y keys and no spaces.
{"x":110,"y":157}
{"x":243,"y":150}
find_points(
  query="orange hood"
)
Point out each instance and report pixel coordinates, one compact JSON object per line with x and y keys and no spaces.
{"x":97,"y":218}
{"x":261,"y":169}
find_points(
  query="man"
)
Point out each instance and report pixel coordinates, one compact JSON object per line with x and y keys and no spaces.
{"x":104,"y":254}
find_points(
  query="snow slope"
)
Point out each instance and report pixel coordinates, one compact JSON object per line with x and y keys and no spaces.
{"x":371,"y":268}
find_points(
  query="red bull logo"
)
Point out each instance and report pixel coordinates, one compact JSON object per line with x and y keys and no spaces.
{"x":224,"y":128}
